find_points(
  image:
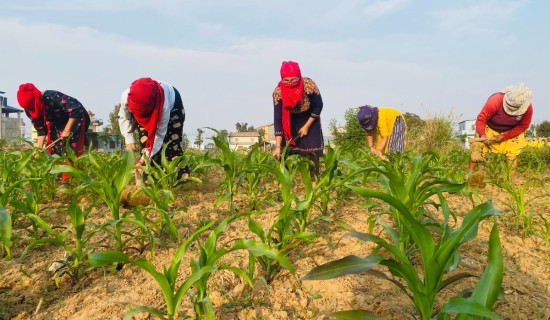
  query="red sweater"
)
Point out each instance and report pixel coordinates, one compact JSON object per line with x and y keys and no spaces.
{"x":492,"y":115}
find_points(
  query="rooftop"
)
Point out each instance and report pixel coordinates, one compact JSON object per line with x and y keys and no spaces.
{"x":244,"y":134}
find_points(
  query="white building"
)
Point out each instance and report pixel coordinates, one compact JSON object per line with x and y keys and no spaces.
{"x":12,"y":129}
{"x":243,"y":140}
{"x":467,"y":127}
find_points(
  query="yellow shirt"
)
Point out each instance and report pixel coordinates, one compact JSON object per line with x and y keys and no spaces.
{"x":384,"y":127}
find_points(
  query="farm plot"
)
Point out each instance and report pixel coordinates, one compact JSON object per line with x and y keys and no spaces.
{"x":251,"y":238}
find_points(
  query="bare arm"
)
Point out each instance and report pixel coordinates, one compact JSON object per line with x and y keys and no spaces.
{"x":382,"y":145}
{"x":40,"y":141}
{"x":68,"y":127}
{"x":305,"y":128}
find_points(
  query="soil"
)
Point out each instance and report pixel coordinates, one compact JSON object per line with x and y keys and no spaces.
{"x":99,"y":294}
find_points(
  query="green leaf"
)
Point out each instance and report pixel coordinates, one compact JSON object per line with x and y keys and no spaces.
{"x":354,"y":315}
{"x":338,"y":268}
{"x":5,"y":230}
{"x":100,"y":259}
{"x":152,"y":311}
{"x":463,"y":306}
{"x":488,"y":288}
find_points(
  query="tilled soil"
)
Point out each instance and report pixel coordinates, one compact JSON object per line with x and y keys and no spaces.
{"x":99,"y":294}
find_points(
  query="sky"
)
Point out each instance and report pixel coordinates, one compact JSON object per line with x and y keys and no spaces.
{"x":426,"y":57}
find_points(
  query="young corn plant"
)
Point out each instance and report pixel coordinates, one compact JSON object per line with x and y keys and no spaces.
{"x":108,"y":180}
{"x":201,"y":270}
{"x":231,"y":163}
{"x":436,"y":258}
{"x":522,"y":207}
{"x":254,"y":174}
{"x":284,"y":234}
{"x":486,"y":292}
{"x":77,"y":246}
{"x":413,"y":180}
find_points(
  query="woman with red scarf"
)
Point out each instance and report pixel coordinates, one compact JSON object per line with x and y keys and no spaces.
{"x":156,"y":110}
{"x":55,"y":115}
{"x":297,"y":105}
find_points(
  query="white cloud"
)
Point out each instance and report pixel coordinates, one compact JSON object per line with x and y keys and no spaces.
{"x":233,"y":84}
{"x":482,"y":17}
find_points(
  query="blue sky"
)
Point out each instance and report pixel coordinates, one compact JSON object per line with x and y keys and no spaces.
{"x":425,"y":57}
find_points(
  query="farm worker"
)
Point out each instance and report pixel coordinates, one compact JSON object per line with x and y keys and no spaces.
{"x":155,"y":109}
{"x":504,"y":118}
{"x":389,"y":126}
{"x":297,"y":116}
{"x":55,"y":115}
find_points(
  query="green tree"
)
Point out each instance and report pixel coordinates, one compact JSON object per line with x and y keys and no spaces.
{"x":113,"y":127}
{"x":351,"y":134}
{"x":243,"y":127}
{"x":198,"y":139}
{"x":185,"y":141}
{"x":531,"y":131}
{"x":261,"y":132}
{"x":543,"y":129}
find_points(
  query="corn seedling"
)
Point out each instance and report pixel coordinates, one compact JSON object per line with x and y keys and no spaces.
{"x":486,"y":292}
{"x":284,"y":234}
{"x":436,"y":258}
{"x":542,"y":229}
{"x":78,"y":248}
{"x":413,"y":181}
{"x":109,"y":181}
{"x":254,"y":172}
{"x":523,"y":208}
{"x":201,"y":270}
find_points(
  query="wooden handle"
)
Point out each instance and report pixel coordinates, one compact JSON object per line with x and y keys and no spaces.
{"x":53,"y":143}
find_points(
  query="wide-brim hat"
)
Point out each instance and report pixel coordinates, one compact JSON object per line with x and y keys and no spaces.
{"x":517,"y":98}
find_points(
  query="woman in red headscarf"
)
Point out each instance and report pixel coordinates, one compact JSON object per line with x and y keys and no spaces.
{"x":55,"y":115}
{"x":156,"y":110}
{"x":297,"y":109}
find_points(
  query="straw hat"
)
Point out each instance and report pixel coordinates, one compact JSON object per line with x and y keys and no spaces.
{"x":517,"y":98}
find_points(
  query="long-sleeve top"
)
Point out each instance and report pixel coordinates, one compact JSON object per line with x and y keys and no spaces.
{"x":125,"y":118}
{"x":59,"y":108}
{"x":494,"y":116}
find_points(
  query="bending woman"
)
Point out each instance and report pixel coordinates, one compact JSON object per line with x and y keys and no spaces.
{"x":389,"y":126}
{"x":55,"y":115}
{"x":297,"y":110}
{"x":155,"y":109}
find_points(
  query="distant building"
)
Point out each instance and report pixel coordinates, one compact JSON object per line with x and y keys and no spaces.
{"x":243,"y":140}
{"x":269,"y":134}
{"x":12,"y":129}
{"x":468,"y":128}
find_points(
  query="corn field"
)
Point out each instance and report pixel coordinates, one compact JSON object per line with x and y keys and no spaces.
{"x":246,"y":236}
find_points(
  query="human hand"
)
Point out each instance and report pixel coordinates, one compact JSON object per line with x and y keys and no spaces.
{"x":499,"y":138}
{"x":138,"y":164}
{"x":303,"y":131}
{"x":65,"y":134}
{"x":131,"y":146}
{"x":373,"y":150}
{"x":277,"y":153}
{"x":378,"y":153}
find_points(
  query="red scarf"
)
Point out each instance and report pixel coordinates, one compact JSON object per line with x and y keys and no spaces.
{"x":145,"y":101}
{"x":30,"y":99}
{"x":291,"y":93}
